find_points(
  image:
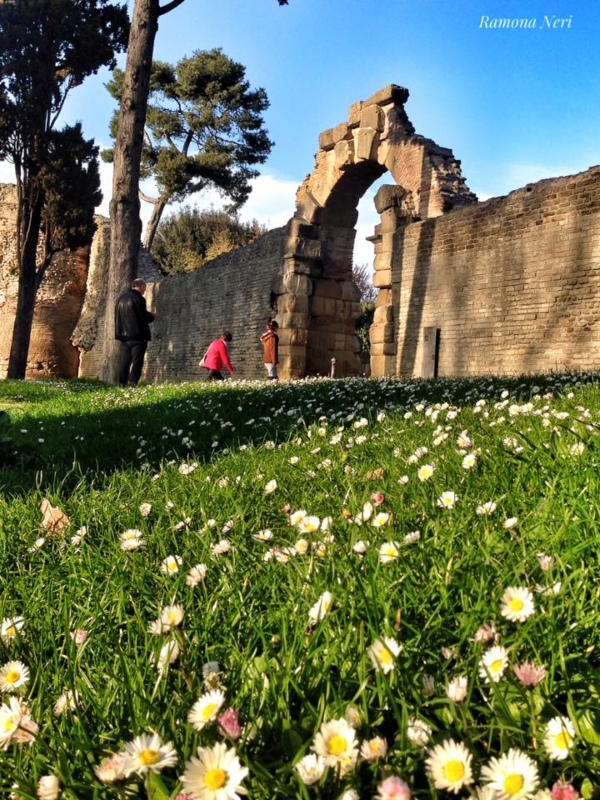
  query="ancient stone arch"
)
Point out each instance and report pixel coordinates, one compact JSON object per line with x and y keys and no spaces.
{"x":317,"y":303}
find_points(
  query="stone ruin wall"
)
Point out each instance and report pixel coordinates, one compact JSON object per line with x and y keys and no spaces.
{"x":507,"y":286}
{"x":58,"y":307}
{"x":232,"y":292}
{"x":512,"y":284}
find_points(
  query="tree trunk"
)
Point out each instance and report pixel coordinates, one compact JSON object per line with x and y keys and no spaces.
{"x":158,"y":206}
{"x":21,"y":336}
{"x":125,"y":223}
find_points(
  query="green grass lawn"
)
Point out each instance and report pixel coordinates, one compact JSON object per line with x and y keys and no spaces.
{"x":324,"y":589}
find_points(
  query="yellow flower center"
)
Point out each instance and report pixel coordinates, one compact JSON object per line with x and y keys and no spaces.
{"x":10,"y":631}
{"x":496,"y":666}
{"x":336,"y":745}
{"x":10,"y":723}
{"x":516,"y":604}
{"x":513,"y":784}
{"x":172,"y":566}
{"x":12,"y":676}
{"x":148,"y":757}
{"x":563,"y":740}
{"x":209,"y":709}
{"x":385,"y":657}
{"x":215,"y":779}
{"x":454,"y":770}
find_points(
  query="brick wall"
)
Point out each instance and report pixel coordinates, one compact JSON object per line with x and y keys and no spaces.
{"x":233,"y":293}
{"x":513,"y":283}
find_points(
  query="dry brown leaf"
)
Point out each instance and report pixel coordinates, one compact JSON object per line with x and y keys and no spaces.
{"x":53,"y":519}
{"x":375,"y":473}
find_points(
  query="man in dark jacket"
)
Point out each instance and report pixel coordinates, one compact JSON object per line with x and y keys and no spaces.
{"x":132,"y":329}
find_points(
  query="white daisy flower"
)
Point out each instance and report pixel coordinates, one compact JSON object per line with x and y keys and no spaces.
{"x":309,"y":524}
{"x":485,"y":509}
{"x":559,"y":737}
{"x":449,"y":765}
{"x":418,"y":732}
{"x":271,"y":486}
{"x":513,"y":776}
{"x":457,"y":689}
{"x":447,"y":500}
{"x":493,"y":664}
{"x":13,"y":676}
{"x":48,"y":787}
{"x":389,"y":551}
{"x":310,"y":768}
{"x":336,"y":743}
{"x":170,"y":565}
{"x":320,"y":608}
{"x":147,"y":753}
{"x":206,"y":708}
{"x":517,"y":604}
{"x":132,"y":539}
{"x":469,"y":461}
{"x":383,"y":652}
{"x":11,"y":628}
{"x":373,"y":749}
{"x":196,"y":575}
{"x":380,"y":519}
{"x":171,"y":617}
{"x":216,"y":774}
{"x":425,"y":472}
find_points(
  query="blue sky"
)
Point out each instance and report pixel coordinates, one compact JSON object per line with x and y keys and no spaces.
{"x":515,"y":105}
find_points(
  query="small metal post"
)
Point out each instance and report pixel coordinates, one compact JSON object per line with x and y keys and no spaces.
{"x":333,"y":368}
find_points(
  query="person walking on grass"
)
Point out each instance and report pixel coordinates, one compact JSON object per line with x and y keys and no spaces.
{"x":270,"y":343}
{"x":217,"y":357}
{"x":132,"y":329}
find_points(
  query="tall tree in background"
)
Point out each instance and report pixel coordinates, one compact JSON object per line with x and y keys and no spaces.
{"x":204,"y":129}
{"x":47,"y":48}
{"x":125,"y":223}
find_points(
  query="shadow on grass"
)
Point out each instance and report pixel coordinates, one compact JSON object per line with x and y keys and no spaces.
{"x":73,"y":429}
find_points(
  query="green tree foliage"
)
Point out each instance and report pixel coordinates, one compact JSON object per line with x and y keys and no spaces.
{"x":362,"y":276}
{"x":47,"y":48}
{"x":204,"y":129}
{"x":187,"y":239}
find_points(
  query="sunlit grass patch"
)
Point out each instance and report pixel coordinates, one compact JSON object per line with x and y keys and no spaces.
{"x":324,"y":589}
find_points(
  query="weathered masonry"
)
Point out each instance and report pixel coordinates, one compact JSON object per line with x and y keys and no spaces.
{"x":506,"y":286}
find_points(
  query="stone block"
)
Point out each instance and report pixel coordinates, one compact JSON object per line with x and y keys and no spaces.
{"x":390,"y":94}
{"x":365,"y":144}
{"x":326,"y":140}
{"x":372,"y":117}
{"x":340,"y":132}
{"x":296,"y":284}
{"x":325,"y":288}
{"x":344,"y":153}
{"x":302,"y":248}
{"x":300,"y":228}
{"x":292,"y":303}
{"x":292,"y":320}
{"x":388,"y":196}
{"x":382,"y":261}
{"x":381,"y":334}
{"x":354,"y":114}
{"x":318,"y":306}
{"x":350,"y":291}
{"x":292,"y":336}
{"x":382,"y":278}
{"x":307,"y":207}
{"x":383,"y":314}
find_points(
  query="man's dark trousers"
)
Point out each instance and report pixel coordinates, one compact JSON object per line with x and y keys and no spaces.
{"x":131,"y":361}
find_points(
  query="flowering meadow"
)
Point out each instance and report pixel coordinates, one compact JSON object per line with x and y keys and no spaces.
{"x":329,"y":589}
